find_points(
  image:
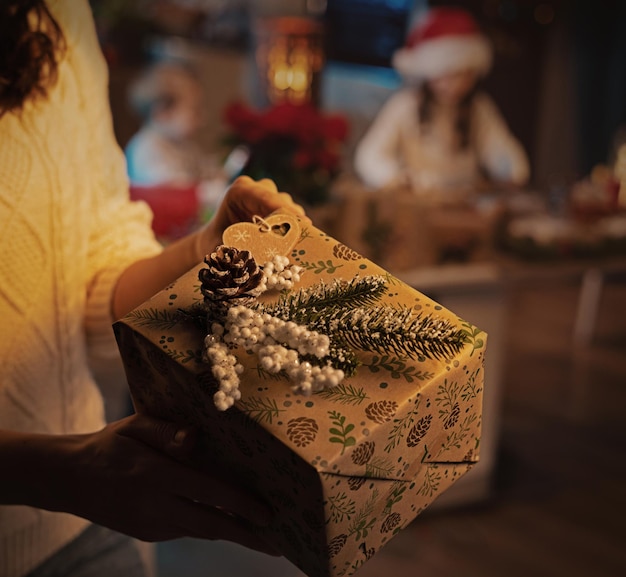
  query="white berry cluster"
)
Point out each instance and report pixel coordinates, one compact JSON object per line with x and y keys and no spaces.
{"x":279,"y":274}
{"x":279,"y":345}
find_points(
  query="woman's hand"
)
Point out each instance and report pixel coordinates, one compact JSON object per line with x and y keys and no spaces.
{"x":244,"y":199}
{"x":131,"y":477}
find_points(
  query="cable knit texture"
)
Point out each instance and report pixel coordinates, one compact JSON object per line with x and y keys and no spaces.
{"x":67,"y":230}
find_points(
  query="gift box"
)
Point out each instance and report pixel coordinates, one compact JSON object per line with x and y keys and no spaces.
{"x":344,"y":468}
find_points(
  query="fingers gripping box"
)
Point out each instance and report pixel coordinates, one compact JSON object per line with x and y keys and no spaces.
{"x":347,"y":459}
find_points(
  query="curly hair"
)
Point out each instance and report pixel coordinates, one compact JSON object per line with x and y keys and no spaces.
{"x":30,"y":44}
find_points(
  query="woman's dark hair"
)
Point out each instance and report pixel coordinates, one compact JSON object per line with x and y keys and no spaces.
{"x":464,"y":113}
{"x":28,"y":52}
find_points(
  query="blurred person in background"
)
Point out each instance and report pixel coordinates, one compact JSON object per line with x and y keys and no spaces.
{"x":76,"y":254}
{"x":440,"y":131}
{"x":163,"y":155}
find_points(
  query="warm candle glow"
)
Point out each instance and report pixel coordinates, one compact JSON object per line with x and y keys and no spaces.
{"x":290,"y":58}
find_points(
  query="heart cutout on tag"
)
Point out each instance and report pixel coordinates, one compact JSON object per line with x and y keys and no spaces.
{"x":265,"y":237}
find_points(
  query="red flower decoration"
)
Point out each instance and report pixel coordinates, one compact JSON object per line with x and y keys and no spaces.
{"x":296,"y":145}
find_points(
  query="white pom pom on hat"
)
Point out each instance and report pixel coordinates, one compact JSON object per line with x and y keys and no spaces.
{"x":444,"y":41}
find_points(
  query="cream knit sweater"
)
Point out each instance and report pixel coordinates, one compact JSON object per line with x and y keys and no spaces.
{"x":67,"y":230}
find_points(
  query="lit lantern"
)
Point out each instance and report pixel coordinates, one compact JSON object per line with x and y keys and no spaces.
{"x":290,"y":57}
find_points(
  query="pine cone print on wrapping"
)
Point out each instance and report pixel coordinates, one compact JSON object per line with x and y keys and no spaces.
{"x":453,"y":417}
{"x":390,"y":523}
{"x":418,"y":431}
{"x":363,"y":453}
{"x":381,"y":411}
{"x":345,"y":253}
{"x":336,"y":545}
{"x":302,"y":431}
{"x":355,"y":483}
{"x":231,"y":274}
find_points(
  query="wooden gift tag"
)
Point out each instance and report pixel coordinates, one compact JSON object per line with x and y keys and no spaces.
{"x":266,"y":237}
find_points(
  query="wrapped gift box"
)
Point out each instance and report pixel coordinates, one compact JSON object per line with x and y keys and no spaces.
{"x":344,"y":469}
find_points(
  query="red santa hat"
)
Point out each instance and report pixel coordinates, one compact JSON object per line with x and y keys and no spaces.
{"x":446,"y":40}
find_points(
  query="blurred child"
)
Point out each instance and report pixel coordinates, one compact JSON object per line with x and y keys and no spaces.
{"x":163,"y":156}
{"x":441,"y":132}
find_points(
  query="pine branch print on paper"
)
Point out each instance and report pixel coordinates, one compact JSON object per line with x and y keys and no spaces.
{"x":363,"y":521}
{"x":472,"y":336}
{"x":341,"y":506}
{"x":155,"y":318}
{"x":261,"y":410}
{"x":344,"y":394}
{"x":400,"y":427}
{"x":398,"y":368}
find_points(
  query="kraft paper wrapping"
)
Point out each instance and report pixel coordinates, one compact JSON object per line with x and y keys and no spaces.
{"x":344,"y":469}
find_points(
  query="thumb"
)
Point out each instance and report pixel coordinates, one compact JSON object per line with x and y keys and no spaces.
{"x":175,"y":440}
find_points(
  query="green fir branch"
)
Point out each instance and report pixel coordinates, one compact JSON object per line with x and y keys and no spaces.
{"x":341,"y":506}
{"x":382,"y":329}
{"x":261,"y":410}
{"x":344,"y":394}
{"x":307,"y":305}
{"x":155,"y":318}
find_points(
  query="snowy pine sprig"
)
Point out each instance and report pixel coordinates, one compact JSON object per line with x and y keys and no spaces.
{"x":309,"y":335}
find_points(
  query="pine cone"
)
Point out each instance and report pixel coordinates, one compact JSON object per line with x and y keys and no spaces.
{"x":453,"y":417}
{"x":390,"y":523}
{"x":302,"y":431}
{"x":381,"y":411}
{"x":336,"y":544}
{"x":355,"y":483}
{"x":363,"y":453}
{"x":231,"y":274}
{"x":418,"y":431}
{"x":343,"y":252}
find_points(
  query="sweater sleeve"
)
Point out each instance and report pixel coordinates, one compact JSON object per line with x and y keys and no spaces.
{"x":500,"y":153}
{"x":120,"y":230}
{"x":377,"y":156}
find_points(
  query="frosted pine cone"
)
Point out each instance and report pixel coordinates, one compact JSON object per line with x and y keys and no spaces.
{"x":418,"y":431}
{"x":336,"y":544}
{"x":453,"y":417}
{"x":343,"y":252}
{"x":381,"y":411}
{"x":302,"y":431}
{"x":231,"y":274}
{"x":363,"y":453}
